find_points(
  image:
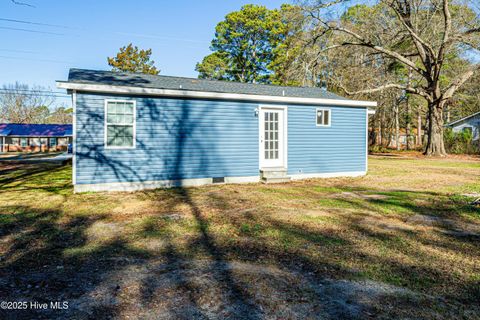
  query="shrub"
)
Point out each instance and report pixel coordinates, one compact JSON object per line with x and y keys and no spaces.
{"x":459,"y":142}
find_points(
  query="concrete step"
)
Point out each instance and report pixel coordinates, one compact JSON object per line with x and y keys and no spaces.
{"x":275,"y":180}
{"x":273,"y":173}
{"x":273,"y":169}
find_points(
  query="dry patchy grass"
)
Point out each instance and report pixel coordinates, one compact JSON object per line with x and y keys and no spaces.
{"x":404,"y":236}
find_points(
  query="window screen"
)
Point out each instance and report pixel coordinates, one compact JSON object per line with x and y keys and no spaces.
{"x":120,"y":124}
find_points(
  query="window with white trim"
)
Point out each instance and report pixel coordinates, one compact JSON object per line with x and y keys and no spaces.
{"x":120,"y":124}
{"x":23,"y":142}
{"x":53,"y":142}
{"x":323,"y":117}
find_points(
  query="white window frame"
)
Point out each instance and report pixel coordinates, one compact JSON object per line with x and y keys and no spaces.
{"x":50,"y":141}
{"x":329,"y":117}
{"x":105,"y":124}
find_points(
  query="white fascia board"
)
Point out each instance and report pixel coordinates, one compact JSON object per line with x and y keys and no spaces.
{"x":453,"y":123}
{"x":208,"y":95}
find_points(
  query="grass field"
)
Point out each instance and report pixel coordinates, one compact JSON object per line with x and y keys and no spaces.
{"x":404,"y":241}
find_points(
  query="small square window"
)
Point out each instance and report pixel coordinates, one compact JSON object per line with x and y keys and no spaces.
{"x":323,"y":117}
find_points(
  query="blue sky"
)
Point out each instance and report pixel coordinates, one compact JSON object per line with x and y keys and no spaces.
{"x":82,"y":33}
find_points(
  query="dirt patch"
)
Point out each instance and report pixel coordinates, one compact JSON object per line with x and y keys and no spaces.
{"x":358,"y":195}
{"x":424,"y":220}
{"x":447,"y":226}
{"x":104,"y":231}
{"x":386,"y":224}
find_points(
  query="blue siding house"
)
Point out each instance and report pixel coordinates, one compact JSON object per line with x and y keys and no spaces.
{"x":136,"y":131}
{"x":470,"y":123}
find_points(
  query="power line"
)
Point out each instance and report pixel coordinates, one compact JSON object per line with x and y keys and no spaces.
{"x":22,"y":3}
{"x":31,"y":90}
{"x":36,"y":23}
{"x":34,"y":31}
{"x":40,"y":60}
{"x":19,"y":51}
{"x":35,"y":94}
{"x":40,"y":95}
{"x":129,"y":34}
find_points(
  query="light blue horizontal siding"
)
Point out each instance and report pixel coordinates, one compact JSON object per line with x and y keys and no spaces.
{"x":175,"y":139}
{"x":473,"y":123}
{"x":187,"y":139}
{"x":338,"y":148}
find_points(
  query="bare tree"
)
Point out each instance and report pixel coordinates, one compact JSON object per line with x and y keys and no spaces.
{"x":420,"y":35}
{"x":61,"y":115}
{"x":21,"y":104}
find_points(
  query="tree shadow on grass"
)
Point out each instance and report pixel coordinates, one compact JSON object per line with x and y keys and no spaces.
{"x":35,"y":265}
{"x":52,"y":258}
{"x":396,"y":272}
{"x":21,"y":172}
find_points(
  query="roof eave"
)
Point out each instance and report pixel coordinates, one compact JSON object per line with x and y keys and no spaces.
{"x":101,"y":88}
{"x":463,"y":119}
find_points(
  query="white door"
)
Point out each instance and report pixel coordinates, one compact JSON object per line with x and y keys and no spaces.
{"x":272,"y":137}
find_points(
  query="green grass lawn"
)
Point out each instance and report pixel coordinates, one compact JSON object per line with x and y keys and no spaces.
{"x":407,"y":225}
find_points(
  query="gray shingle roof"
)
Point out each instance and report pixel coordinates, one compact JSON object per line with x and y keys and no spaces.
{"x":453,"y":123}
{"x":85,"y":76}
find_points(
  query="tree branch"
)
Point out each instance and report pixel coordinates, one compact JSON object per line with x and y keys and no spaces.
{"x":475,"y":30}
{"x":455,"y":85}
{"x":419,"y":42}
{"x":365,"y":43}
{"x":448,"y":28}
{"x":387,"y":86}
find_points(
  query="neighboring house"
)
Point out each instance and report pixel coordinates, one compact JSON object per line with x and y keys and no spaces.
{"x":470,"y":123}
{"x":402,"y":139}
{"x":16,"y":137}
{"x":136,"y":131}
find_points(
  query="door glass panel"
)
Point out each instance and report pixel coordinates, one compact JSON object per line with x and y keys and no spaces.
{"x":271,"y":135}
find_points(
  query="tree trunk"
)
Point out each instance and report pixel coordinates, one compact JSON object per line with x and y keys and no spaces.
{"x":407,"y":110}
{"x":419,"y":128}
{"x":407,"y":120}
{"x":435,"y":145}
{"x":379,"y":137}
{"x":382,"y":131}
{"x":397,"y":127}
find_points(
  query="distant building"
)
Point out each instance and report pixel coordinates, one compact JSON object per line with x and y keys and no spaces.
{"x":470,"y":123}
{"x":389,"y":140}
{"x":16,"y":137}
